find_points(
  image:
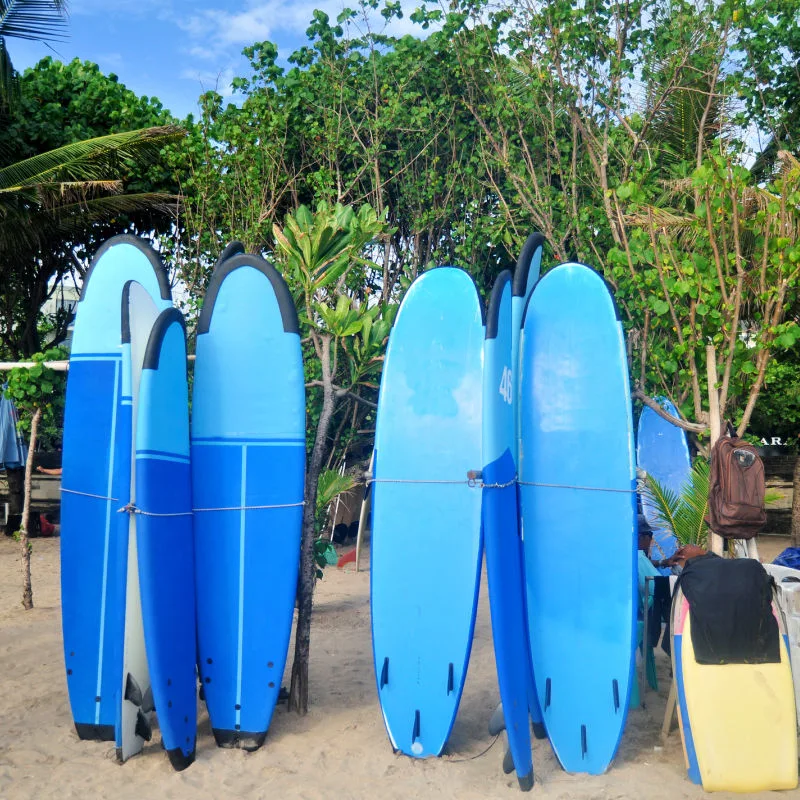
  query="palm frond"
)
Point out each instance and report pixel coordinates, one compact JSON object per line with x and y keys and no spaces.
{"x":9,"y":84}
{"x":26,"y":231}
{"x":664,"y":501}
{"x":330,"y":485}
{"x":692,"y":527}
{"x":92,"y":159}
{"x":33,"y":19}
{"x":682,"y":514}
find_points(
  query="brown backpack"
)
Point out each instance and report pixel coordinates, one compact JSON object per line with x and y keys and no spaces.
{"x":736,"y":489}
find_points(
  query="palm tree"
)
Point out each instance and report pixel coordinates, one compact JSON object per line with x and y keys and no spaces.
{"x":58,"y":199}
{"x":35,"y":20}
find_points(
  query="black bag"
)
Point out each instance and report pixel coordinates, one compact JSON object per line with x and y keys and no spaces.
{"x":736,"y":489}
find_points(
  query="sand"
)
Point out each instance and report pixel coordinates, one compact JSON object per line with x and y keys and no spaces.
{"x":339,"y":750}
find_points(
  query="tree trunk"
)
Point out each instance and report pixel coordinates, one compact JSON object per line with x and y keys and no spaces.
{"x":796,"y":503}
{"x":27,"y":589}
{"x":715,"y":423}
{"x":298,"y":689}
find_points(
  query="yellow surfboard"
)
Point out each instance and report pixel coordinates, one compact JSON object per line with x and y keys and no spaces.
{"x":741,"y":718}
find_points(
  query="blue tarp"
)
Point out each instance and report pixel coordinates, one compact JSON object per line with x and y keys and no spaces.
{"x":13,"y":450}
{"x":790,"y":557}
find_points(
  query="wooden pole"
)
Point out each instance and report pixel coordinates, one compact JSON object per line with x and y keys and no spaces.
{"x":58,"y":366}
{"x":714,"y":421}
{"x":27,"y":589}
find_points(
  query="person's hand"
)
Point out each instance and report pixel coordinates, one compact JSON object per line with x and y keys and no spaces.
{"x":683,"y":554}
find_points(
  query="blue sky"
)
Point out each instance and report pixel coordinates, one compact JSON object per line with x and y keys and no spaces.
{"x":176,"y":49}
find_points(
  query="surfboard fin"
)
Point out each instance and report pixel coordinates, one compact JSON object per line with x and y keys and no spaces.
{"x":508,"y":763}
{"x":416,"y":731}
{"x":497,"y":722}
{"x":583,"y":741}
{"x":385,"y":672}
{"x":450,"y":679}
{"x":133,"y":692}
{"x":615,"y":688}
{"x":148,"y":704}
{"x":539,"y":730}
{"x":143,"y":728}
{"x":547,"y":687}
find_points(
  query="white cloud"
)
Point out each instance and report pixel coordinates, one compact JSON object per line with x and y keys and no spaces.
{"x":110,"y":60}
{"x":221,"y":30}
{"x":207,"y":80}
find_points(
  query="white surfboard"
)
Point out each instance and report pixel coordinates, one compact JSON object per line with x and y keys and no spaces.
{"x":142,"y":314}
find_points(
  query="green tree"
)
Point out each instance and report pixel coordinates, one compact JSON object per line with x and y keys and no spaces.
{"x":49,"y":205}
{"x":38,"y":393}
{"x":59,"y":105}
{"x":320,"y":252}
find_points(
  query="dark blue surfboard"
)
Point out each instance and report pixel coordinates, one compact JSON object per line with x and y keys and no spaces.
{"x":426,"y":525}
{"x":501,"y":531}
{"x":100,"y":626}
{"x":165,"y":538}
{"x":248,"y":470}
{"x":577,"y":484}
{"x":526,"y":276}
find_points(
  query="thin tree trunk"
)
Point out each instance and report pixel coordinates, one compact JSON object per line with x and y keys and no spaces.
{"x":796,"y":503}
{"x":715,"y":423}
{"x":27,"y":589}
{"x":298,"y":688}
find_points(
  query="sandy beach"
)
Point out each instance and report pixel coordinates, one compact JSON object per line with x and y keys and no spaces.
{"x":339,"y":750}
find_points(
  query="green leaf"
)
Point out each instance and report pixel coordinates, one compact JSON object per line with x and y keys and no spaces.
{"x":661,"y":307}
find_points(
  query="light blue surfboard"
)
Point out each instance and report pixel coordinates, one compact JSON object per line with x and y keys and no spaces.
{"x":165,"y":537}
{"x":426,"y":519}
{"x":248,"y":471}
{"x":101,"y":618}
{"x":501,"y":531}
{"x":577,"y":485}
{"x":662,"y":451}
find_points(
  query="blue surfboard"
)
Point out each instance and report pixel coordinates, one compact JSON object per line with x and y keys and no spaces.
{"x":101,"y":623}
{"x":426,"y":519}
{"x":165,"y":538}
{"x":577,"y":484}
{"x":248,"y":470}
{"x":662,"y":451}
{"x":501,"y":531}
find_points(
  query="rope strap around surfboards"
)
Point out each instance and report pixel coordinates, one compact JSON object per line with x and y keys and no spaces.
{"x":133,"y":509}
{"x":580,"y":488}
{"x":88,"y":494}
{"x":130,"y":508}
{"x":475,"y":480}
{"x":251,"y":508}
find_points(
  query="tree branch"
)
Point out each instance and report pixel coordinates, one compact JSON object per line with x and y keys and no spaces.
{"x":340,"y":392}
{"x":693,"y":427}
